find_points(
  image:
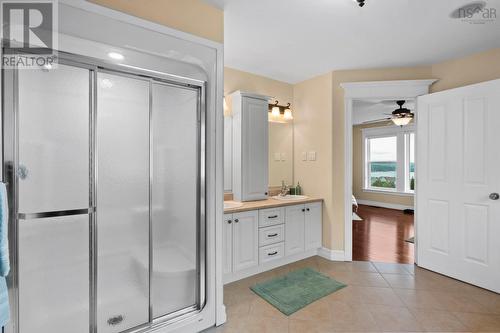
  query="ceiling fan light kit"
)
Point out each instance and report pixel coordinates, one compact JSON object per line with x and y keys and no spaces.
{"x":361,"y":3}
{"x":401,"y":116}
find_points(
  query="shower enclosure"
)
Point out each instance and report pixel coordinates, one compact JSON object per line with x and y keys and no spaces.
{"x":106,"y":177}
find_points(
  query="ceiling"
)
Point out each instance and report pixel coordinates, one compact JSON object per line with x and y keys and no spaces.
{"x":293,"y":40}
{"x":368,"y":111}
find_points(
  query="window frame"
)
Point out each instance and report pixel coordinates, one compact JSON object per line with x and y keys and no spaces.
{"x":402,"y":135}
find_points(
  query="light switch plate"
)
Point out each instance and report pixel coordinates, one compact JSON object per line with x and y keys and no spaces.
{"x":283,"y":157}
{"x":311,"y":156}
{"x":277,"y":156}
{"x":304,"y":156}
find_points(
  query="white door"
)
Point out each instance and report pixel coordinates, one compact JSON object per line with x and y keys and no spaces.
{"x":294,"y":229}
{"x":245,"y":240}
{"x":313,"y":226}
{"x":255,"y":147}
{"x":458,"y":211}
{"x":227,"y":244}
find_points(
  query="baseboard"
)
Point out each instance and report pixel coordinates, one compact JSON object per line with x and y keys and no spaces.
{"x":333,"y":255}
{"x":383,"y":204}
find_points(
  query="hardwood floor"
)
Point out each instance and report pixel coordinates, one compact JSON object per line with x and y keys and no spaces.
{"x":380,"y":237}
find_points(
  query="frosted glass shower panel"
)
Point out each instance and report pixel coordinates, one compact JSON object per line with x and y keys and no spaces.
{"x":54,"y":136}
{"x":175,"y":199}
{"x":54,"y":275}
{"x":122,"y":202}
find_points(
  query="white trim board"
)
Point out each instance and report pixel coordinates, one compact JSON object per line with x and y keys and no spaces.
{"x":332,"y":255}
{"x":383,"y":90}
{"x":383,"y":204}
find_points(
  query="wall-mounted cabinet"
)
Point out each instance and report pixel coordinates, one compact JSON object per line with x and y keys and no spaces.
{"x":250,"y":133}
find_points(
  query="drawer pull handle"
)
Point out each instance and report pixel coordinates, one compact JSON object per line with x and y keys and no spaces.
{"x":272,"y":235}
{"x":273,"y":253}
{"x":272,"y":217}
{"x":236,"y":220}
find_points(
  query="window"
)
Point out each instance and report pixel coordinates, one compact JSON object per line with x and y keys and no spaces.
{"x":389,"y":155}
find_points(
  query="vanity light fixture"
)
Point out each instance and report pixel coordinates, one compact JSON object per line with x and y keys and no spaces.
{"x":116,"y":56}
{"x":280,"y":113}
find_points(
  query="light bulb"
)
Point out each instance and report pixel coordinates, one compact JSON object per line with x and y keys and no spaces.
{"x":275,"y":111}
{"x":288,"y":114}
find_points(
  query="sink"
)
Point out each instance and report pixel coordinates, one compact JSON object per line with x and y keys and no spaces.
{"x":290,"y":197}
{"x":232,"y":204}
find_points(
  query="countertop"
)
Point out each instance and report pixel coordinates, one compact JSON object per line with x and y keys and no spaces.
{"x":269,"y":203}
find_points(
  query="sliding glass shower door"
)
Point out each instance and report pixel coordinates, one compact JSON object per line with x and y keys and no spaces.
{"x":53,"y":200}
{"x":107,"y":180}
{"x":175,"y":198}
{"x":122,"y":202}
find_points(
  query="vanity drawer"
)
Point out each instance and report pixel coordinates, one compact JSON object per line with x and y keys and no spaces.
{"x":271,"y":216}
{"x":271,"y":252}
{"x":271,"y":235}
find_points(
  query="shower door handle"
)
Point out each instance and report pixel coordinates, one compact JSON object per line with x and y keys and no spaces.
{"x":57,"y":213}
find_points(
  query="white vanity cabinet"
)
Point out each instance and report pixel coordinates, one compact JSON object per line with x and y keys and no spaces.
{"x":258,"y":240}
{"x":240,"y":241}
{"x":250,"y":146}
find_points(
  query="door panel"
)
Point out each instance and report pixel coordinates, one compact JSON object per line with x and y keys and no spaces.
{"x":255,"y":147}
{"x":457,"y":222}
{"x":313,"y":226}
{"x":53,"y":175}
{"x":53,"y":139}
{"x":54,"y":275}
{"x":227,"y":245}
{"x":294,"y":229}
{"x":175,"y":199}
{"x":122,"y":202}
{"x":245,"y":240}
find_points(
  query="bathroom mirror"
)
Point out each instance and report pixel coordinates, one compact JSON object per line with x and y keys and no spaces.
{"x":280,"y":153}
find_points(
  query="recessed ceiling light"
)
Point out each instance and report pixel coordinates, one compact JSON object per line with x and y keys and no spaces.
{"x":115,"y":55}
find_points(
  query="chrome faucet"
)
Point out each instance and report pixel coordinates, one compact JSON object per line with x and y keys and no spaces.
{"x":284,"y":189}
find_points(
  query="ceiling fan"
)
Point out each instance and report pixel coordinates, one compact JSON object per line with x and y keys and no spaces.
{"x":401,"y":116}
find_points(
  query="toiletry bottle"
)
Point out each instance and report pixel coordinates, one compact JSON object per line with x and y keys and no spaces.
{"x":298,"y":189}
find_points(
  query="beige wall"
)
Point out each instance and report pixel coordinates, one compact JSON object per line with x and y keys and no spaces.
{"x":476,"y":68}
{"x":192,"y":16}
{"x":312,"y":100}
{"x":238,"y":80}
{"x":357,"y":169}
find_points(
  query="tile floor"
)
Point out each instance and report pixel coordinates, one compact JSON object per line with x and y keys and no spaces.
{"x":380,"y":297}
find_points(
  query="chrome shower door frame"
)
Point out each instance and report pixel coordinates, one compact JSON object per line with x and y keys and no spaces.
{"x":10,"y":162}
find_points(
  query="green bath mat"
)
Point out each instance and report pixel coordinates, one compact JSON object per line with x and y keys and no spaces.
{"x":295,"y":290}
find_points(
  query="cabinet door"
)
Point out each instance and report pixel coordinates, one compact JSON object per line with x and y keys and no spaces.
{"x":227,"y":244}
{"x":294,"y":229}
{"x":313,"y":225}
{"x":255,"y":148}
{"x":245,"y":240}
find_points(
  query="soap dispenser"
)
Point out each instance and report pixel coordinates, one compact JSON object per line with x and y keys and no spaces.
{"x":298,"y":189}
